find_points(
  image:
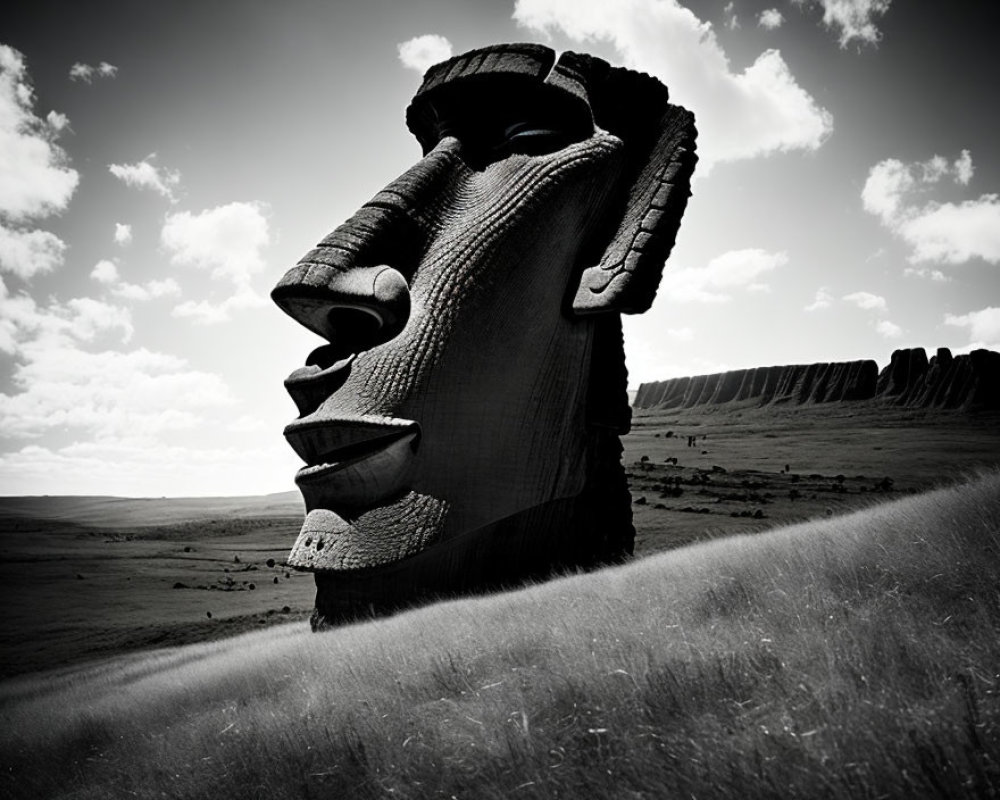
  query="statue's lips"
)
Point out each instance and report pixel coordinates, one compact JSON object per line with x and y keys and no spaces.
{"x":356,"y":461}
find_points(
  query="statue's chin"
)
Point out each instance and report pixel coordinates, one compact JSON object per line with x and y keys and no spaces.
{"x":384,"y":535}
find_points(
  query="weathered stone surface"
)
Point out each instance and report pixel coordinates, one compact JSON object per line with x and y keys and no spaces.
{"x":966,"y":382}
{"x":460,"y":427}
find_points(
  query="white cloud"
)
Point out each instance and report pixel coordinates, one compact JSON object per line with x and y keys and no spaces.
{"x":680,"y":334}
{"x":935,"y":168}
{"x":770,"y":18}
{"x":823,"y":300}
{"x":950,"y":233}
{"x":983,"y":326}
{"x":756,"y":112}
{"x":732,"y":21}
{"x":34,"y":178}
{"x":954,"y":233}
{"x":853,"y":19}
{"x":227,"y":241}
{"x":422,"y":52}
{"x":87,"y":73}
{"x":107,"y":394}
{"x":731,"y":270}
{"x":867,"y":301}
{"x":935,"y":275}
{"x":888,"y":330}
{"x":26,"y":253}
{"x":146,"y":175}
{"x":963,"y":168}
{"x":123,"y":234}
{"x":104,"y":271}
{"x":883,"y":192}
{"x":25,"y":327}
{"x":58,"y":121}
{"x":59,"y":383}
{"x":150,"y":290}
{"x":208,"y":313}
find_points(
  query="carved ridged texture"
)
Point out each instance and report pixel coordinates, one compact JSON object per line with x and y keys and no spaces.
{"x":660,"y":160}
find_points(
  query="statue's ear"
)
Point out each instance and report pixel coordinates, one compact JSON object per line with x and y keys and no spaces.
{"x":659,"y":141}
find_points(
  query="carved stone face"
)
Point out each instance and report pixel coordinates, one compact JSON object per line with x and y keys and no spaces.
{"x":455,"y":416}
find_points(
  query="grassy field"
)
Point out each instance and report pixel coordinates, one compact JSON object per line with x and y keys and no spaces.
{"x":74,"y":592}
{"x":752,"y":469}
{"x":849,"y":657}
{"x":89,"y":577}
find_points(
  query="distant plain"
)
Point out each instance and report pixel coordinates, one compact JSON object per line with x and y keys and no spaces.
{"x":85,"y":578}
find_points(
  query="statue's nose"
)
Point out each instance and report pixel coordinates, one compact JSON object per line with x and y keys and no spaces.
{"x":352,"y":288}
{"x":355,"y":308}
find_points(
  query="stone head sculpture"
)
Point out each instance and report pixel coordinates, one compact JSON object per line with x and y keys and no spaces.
{"x":460,"y":427}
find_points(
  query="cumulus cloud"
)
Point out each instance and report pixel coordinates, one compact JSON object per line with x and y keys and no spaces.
{"x":756,"y":112}
{"x":732,"y":20}
{"x":963,"y":168}
{"x":26,"y":253}
{"x":108,"y":394}
{"x":146,"y":175}
{"x":34,"y":178}
{"x":104,"y":271}
{"x":123,"y":234}
{"x":57,"y":121}
{"x":227,"y":242}
{"x":150,"y":290}
{"x":954,"y":233}
{"x":867,"y":301}
{"x":949,"y":233}
{"x":736,"y":269}
{"x":888,"y":330}
{"x":852,"y":19}
{"x":26,"y":327}
{"x":823,"y":300}
{"x":87,"y":73}
{"x":422,"y":52}
{"x":770,"y":18}
{"x":935,"y":275}
{"x":983,"y":326}
{"x":208,"y":313}
{"x":58,"y":383}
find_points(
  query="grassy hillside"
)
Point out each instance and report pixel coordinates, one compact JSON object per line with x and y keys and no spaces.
{"x":853,"y":657}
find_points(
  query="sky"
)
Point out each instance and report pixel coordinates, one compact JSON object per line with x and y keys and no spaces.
{"x":163,"y":164}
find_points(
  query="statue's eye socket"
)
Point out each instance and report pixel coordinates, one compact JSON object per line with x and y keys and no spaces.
{"x":533,"y":139}
{"x":489,"y":138}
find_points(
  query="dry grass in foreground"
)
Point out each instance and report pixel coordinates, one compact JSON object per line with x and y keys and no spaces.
{"x":852,"y":657}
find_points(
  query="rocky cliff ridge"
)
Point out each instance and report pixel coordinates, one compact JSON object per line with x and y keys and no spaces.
{"x":966,"y":382}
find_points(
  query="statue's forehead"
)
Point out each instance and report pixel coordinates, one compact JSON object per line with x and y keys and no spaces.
{"x":510,"y":74}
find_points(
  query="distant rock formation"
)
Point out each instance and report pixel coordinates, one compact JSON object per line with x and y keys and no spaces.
{"x":966,"y":382}
{"x":793,"y":385}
